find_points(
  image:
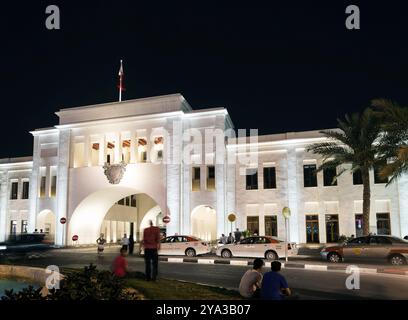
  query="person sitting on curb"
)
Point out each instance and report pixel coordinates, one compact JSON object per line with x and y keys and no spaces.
{"x":274,"y":285}
{"x":250,"y":285}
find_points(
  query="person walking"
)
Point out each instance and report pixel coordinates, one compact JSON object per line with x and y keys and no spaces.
{"x":274,"y":285}
{"x":125,"y":242}
{"x":151,"y":245}
{"x":251,"y":281}
{"x":237,"y":235}
{"x":120,"y":264}
{"x":131,"y":244}
{"x":101,"y":243}
{"x":223,"y":239}
{"x":230,"y":238}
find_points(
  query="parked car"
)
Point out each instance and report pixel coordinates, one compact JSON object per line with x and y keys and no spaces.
{"x":257,"y":247}
{"x":183,"y":245}
{"x":392,"y":249}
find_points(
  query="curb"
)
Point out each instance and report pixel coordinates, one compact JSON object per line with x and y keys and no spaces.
{"x":289,"y":265}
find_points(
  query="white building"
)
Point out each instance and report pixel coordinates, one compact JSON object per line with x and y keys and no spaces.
{"x":66,"y":178}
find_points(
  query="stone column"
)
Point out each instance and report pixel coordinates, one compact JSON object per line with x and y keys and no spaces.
{"x":173,"y":173}
{"x":294,"y":227}
{"x":133,"y":147}
{"x":62,"y":186}
{"x":402,"y":183}
{"x":3,"y":207}
{"x":87,"y":151}
{"x":118,"y":148}
{"x":102,"y":150}
{"x":34,"y":185}
{"x":220,"y":180}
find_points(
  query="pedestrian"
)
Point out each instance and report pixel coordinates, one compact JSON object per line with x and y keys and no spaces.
{"x":131,"y":244}
{"x":125,"y":242}
{"x":230,"y":238}
{"x":120,"y":264}
{"x":250,"y":285}
{"x":151,"y":245}
{"x":237,"y":235}
{"x":35,"y":230}
{"x":101,"y":243}
{"x":274,"y":285}
{"x":223,"y":239}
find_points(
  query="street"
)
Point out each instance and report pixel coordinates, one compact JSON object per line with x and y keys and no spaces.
{"x":307,"y":284}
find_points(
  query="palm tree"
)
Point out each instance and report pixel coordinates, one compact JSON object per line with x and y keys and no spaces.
{"x":394,"y":138}
{"x":353,"y":144}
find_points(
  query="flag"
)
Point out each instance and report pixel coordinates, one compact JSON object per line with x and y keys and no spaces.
{"x":121,"y":86}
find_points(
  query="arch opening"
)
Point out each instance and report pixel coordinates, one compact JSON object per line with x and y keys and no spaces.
{"x":204,"y":223}
{"x":113,"y":211}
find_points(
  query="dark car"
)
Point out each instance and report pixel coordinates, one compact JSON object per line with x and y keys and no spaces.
{"x":389,"y":248}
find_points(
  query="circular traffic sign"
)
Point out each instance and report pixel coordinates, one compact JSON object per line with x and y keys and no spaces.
{"x":232,"y":217}
{"x":286,"y":212}
{"x":75,"y":238}
{"x":166,"y":219}
{"x":63,"y":220}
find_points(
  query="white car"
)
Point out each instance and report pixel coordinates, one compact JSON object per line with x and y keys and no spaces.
{"x":266,"y":247}
{"x":183,"y":245}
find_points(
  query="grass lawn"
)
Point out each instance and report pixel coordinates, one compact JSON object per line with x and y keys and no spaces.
{"x":164,"y":289}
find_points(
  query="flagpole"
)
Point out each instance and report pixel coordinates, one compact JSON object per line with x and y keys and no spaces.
{"x":120,"y":81}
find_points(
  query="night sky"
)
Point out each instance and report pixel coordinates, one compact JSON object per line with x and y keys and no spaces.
{"x":278,"y":66}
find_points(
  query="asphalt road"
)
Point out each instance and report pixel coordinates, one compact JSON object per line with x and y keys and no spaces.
{"x":307,"y":284}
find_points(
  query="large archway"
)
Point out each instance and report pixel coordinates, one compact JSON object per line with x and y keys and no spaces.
{"x":46,"y":223}
{"x":204,"y":223}
{"x":88,"y":217}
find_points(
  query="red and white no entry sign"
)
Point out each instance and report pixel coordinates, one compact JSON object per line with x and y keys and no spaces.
{"x":63,"y":220}
{"x":74,"y":238}
{"x":166,"y":219}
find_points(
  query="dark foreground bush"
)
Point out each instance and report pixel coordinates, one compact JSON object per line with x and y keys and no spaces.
{"x":88,"y":284}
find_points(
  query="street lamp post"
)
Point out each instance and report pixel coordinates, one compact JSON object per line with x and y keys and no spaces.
{"x":286,"y":215}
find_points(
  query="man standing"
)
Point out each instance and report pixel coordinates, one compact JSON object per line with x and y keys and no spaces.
{"x":131,"y":244}
{"x":230,"y":238}
{"x":223,"y":239}
{"x":125,"y":242}
{"x":151,"y":245}
{"x":237,"y":235}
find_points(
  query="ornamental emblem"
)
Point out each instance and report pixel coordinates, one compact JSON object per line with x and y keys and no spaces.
{"x":114,"y":172}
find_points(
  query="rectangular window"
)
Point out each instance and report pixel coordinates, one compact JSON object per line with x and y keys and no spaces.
{"x":377,"y":178}
{"x":253,"y":225}
{"x":312,"y":229}
{"x":14,"y":191}
{"x":24,"y":225}
{"x":53,"y":190}
{"x":309,"y":175}
{"x":211,"y":178}
{"x":332,"y":228}
{"x":127,"y":200}
{"x":269,"y":178}
{"x":328,"y":177}
{"x":121,"y":202}
{"x":26,"y":190}
{"x":195,"y":183}
{"x":13,"y":227}
{"x":271,"y":226}
{"x":252,"y":179}
{"x":42,"y":187}
{"x":383,"y":224}
{"x":133,"y":200}
{"x":359,"y":225}
{"x":357,"y":177}
{"x":159,"y":155}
